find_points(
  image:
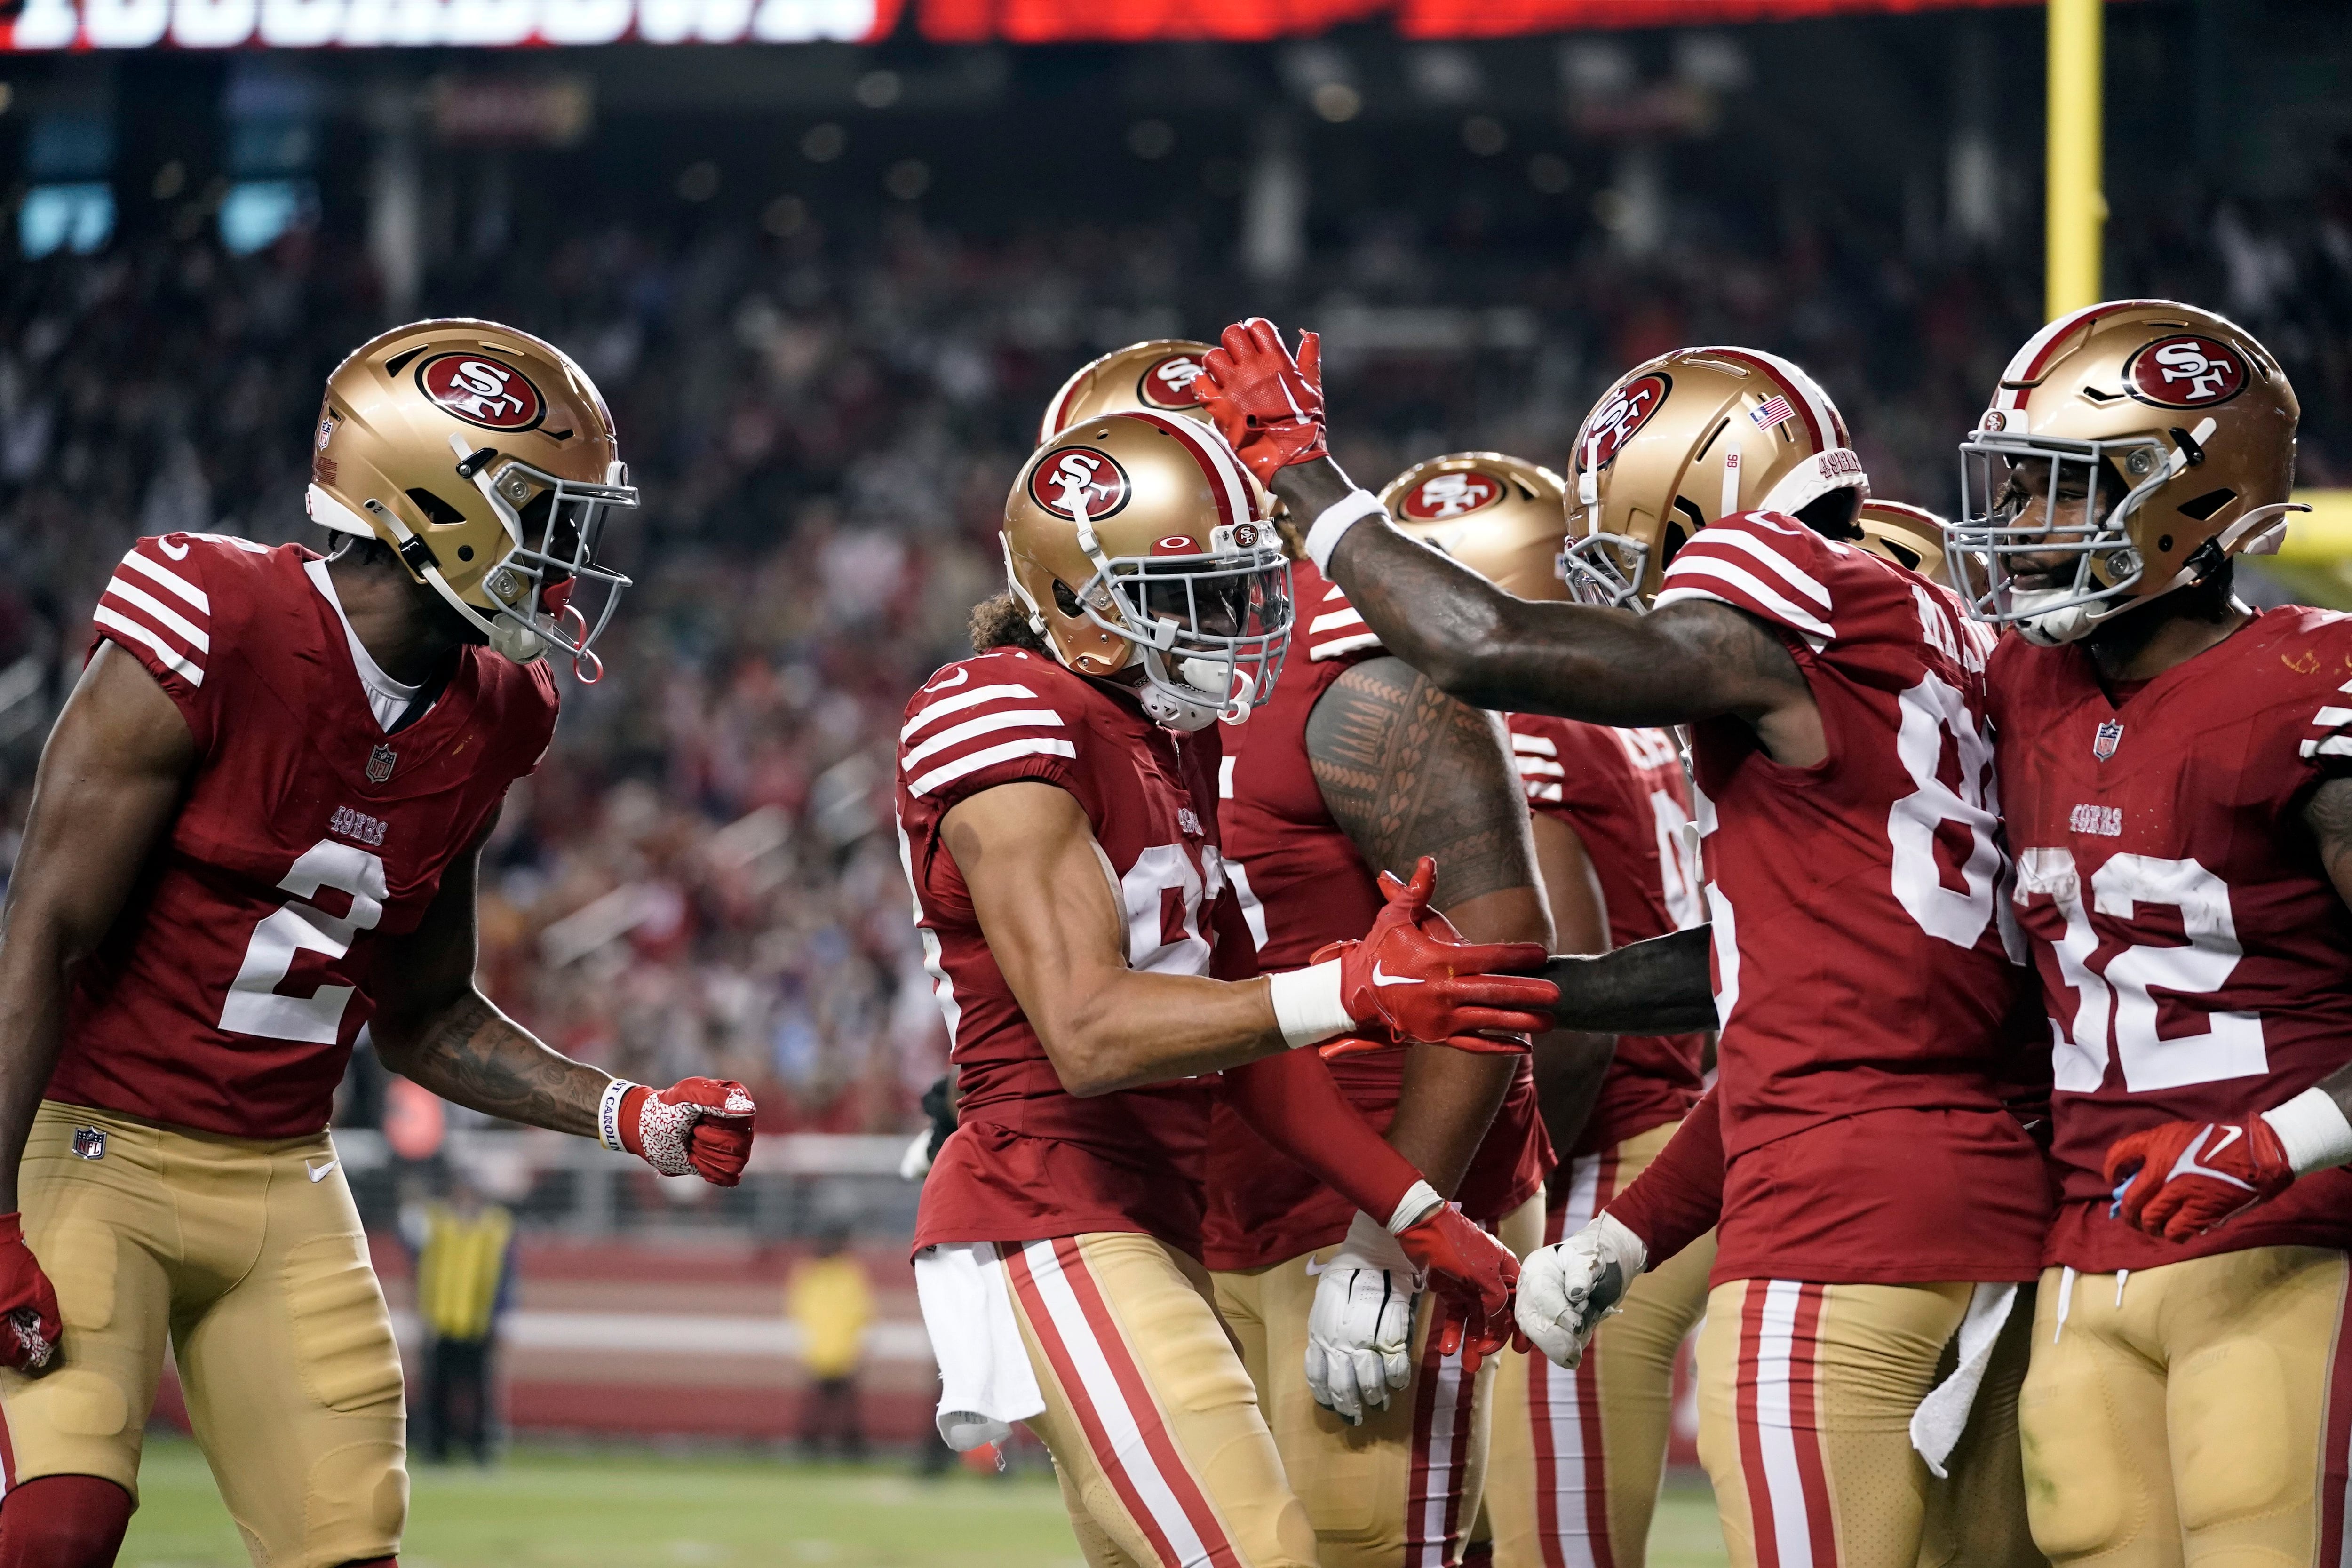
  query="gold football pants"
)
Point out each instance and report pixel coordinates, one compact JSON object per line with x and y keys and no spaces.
{"x":1806,"y":1393}
{"x":1577,"y":1456}
{"x":1401,"y":1489}
{"x":2194,"y":1413}
{"x":249,"y":1256}
{"x":1164,"y":1458}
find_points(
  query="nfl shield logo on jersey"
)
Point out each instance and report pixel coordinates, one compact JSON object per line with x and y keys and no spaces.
{"x":90,"y":1143}
{"x":380,"y":762}
{"x":2102,"y":744}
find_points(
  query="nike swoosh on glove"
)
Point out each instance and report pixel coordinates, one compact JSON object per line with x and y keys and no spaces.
{"x":28,"y":1304}
{"x":1423,"y":987}
{"x":1360,"y":1327}
{"x":1474,"y":1272}
{"x":697,"y":1126}
{"x":2181,"y":1178}
{"x":1267,"y":404}
{"x":1566,"y":1290}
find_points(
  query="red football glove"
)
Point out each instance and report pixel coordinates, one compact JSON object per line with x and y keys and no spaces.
{"x":1421,"y":986}
{"x":28,"y":1303}
{"x":2180,"y":1179}
{"x":700,"y":1126}
{"x":1374,"y":1037}
{"x":1474,"y":1274}
{"x":1268,"y":405}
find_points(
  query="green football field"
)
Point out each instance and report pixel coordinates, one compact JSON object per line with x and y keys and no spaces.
{"x":630,"y":1508}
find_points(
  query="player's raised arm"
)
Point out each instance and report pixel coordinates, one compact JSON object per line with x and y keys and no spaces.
{"x":108,"y":781}
{"x":1692,"y":660}
{"x":434,"y":1025}
{"x":1039,"y":886}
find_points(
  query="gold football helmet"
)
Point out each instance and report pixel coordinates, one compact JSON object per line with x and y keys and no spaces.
{"x":1690,"y":439}
{"x":1499,"y":516}
{"x":1907,"y":535}
{"x":484,"y":460}
{"x":1130,"y":539}
{"x":1154,"y":378}
{"x":2142,"y":442}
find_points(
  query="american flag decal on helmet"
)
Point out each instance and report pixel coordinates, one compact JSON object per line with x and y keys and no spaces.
{"x":1772,"y":412}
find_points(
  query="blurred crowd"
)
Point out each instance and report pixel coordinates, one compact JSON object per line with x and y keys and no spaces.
{"x":703,"y":877}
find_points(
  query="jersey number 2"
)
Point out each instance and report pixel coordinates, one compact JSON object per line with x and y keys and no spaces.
{"x":254,"y":1006}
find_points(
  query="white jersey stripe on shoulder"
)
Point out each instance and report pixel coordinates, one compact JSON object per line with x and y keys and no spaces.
{"x":1317,"y":652}
{"x":170,"y":580}
{"x":2328,"y":717}
{"x":1543,"y":792}
{"x":1028,"y":746}
{"x":1539,"y":767}
{"x":1538,"y":745}
{"x":1099,"y":1387}
{"x":962,"y":700}
{"x":2333,"y":746}
{"x":987,"y":723}
{"x":1788,"y":571}
{"x":172,"y":659}
{"x":1745,"y":584}
{"x":1332,"y":620}
{"x":170,"y":619}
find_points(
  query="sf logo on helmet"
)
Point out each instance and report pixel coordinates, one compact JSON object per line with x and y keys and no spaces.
{"x":1618,"y":418}
{"x":1442,"y":495}
{"x":1169,"y":383}
{"x":1071,"y":480}
{"x":2186,"y":372}
{"x":482,"y":392}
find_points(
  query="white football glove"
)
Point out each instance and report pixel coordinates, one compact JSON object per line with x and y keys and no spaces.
{"x":1359,"y":1330}
{"x":1566,"y":1290}
{"x":916,"y":1162}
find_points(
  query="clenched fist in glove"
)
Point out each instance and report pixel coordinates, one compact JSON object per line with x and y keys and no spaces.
{"x":1566,"y":1290}
{"x":1267,"y":404}
{"x":1410,"y":978}
{"x":2180,"y":1179}
{"x":1469,"y":1268}
{"x":698,"y":1126}
{"x":1360,"y":1329}
{"x":29,"y":1304}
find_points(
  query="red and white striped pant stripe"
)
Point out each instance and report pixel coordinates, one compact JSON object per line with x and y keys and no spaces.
{"x":1564,"y":1405}
{"x":1778,"y":1404}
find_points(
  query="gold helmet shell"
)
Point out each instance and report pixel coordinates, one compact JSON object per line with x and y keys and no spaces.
{"x":1152,"y":377}
{"x":1687,"y":439}
{"x":485,"y":459}
{"x":2177,"y":425}
{"x":1498,"y":515}
{"x":1910,"y":536}
{"x":1131,"y":541}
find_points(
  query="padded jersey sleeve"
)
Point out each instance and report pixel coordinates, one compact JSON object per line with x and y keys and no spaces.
{"x":986,"y":721}
{"x":1771,"y":566}
{"x":158,"y":609}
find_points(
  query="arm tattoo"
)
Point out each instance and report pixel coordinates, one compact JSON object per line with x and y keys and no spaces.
{"x":2329,"y":815}
{"x":1408,"y":771}
{"x":473,"y":1055}
{"x":1658,"y":987}
{"x":1692,"y":660}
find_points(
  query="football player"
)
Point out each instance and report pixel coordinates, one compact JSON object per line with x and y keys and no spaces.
{"x":1058,"y":800}
{"x":1578,"y":1454}
{"x":2173,"y":770}
{"x":1356,"y":763}
{"x":255,"y":830}
{"x":1875,"y":1183}
{"x":1910,"y":536}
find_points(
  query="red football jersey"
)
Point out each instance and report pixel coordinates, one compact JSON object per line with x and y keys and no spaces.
{"x":1301,"y":883}
{"x":1029,"y":1160}
{"x":1862,"y":950}
{"x":2195,"y":960}
{"x":1624,"y":793}
{"x":228,"y":992}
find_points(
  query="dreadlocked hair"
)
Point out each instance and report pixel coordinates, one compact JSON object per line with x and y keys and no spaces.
{"x":1002,"y":622}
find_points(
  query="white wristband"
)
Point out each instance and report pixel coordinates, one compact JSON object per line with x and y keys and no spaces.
{"x":1418,"y":1200}
{"x":1307,"y":1006}
{"x":2313,"y":1129}
{"x":1338,"y":517}
{"x":608,"y":1115}
{"x":1368,"y":1241}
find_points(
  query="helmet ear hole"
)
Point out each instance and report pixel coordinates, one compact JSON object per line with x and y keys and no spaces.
{"x":1832,"y":514}
{"x":2205,"y":506}
{"x":436,"y":511}
{"x":1066,"y":600}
